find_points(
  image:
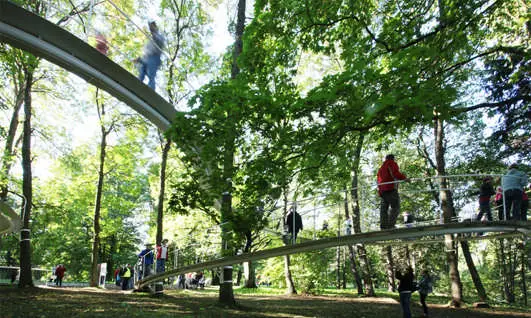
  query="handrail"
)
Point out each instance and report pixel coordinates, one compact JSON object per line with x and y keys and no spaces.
{"x":520,"y":227}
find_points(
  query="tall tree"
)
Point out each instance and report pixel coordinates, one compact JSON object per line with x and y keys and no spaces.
{"x":105,"y":129}
{"x":356,"y":216}
{"x":26,"y":279}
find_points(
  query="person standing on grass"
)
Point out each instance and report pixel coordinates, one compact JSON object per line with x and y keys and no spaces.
{"x":387,"y":176}
{"x":59,"y":274}
{"x":125,"y":276}
{"x":405,"y":288}
{"x":425,"y":287}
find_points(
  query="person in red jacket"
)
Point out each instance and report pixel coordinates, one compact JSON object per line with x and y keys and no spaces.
{"x":101,"y":44}
{"x":59,"y":273}
{"x":387,"y":176}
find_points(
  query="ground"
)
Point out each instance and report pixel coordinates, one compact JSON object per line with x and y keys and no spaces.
{"x":93,"y":302}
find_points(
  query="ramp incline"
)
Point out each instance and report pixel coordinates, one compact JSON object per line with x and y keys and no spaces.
{"x":514,"y":227}
{"x":27,"y":31}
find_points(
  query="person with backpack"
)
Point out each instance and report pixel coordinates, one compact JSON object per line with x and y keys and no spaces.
{"x":425,"y":287}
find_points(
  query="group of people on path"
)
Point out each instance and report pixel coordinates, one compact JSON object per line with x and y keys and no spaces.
{"x":124,"y":276}
{"x":407,"y":285}
{"x":511,"y":199}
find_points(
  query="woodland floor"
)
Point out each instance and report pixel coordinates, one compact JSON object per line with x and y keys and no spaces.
{"x":93,"y":302}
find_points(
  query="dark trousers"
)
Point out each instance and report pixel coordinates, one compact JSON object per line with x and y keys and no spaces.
{"x":513,"y":202}
{"x":388,"y":216}
{"x":423,"y":303}
{"x":484,"y":208}
{"x":161,"y":265}
{"x":405,"y":300}
{"x":125,"y":283}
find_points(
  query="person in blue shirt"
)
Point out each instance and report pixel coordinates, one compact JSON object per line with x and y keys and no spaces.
{"x":150,"y":62}
{"x":513,"y":183}
{"x":146,"y":257}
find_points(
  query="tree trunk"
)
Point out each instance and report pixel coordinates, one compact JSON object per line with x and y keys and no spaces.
{"x":365,"y":265}
{"x":473,"y":272}
{"x":26,"y":279}
{"x":523,"y":271}
{"x":239,"y":276}
{"x":447,"y":206}
{"x":226,"y":294}
{"x":390,"y":269}
{"x":250,"y":275}
{"x":290,"y":287}
{"x":352,"y":256}
{"x":354,"y":269}
{"x":160,"y":206}
{"x":94,"y":278}
{"x":338,"y":267}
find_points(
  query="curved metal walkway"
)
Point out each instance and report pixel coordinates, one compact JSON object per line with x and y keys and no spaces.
{"x":515,"y":227}
{"x":9,"y":219}
{"x":27,"y":31}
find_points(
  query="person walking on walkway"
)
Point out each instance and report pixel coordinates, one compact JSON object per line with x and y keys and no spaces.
{"x":486,"y":190}
{"x":387,"y":176}
{"x":146,"y":256}
{"x":294,"y":223}
{"x":149,"y":64}
{"x":513,"y":183}
{"x":162,"y":256}
{"x":498,"y":200}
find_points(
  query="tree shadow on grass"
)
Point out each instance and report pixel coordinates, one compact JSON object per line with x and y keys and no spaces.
{"x":92,"y":302}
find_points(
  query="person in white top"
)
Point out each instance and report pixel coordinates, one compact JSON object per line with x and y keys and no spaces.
{"x":162,"y":256}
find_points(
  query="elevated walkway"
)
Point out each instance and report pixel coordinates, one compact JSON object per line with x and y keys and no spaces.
{"x":27,"y":31}
{"x":511,"y":227}
{"x":9,"y":219}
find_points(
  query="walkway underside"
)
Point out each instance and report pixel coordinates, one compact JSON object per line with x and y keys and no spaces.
{"x":9,"y":219}
{"x":508,"y":227}
{"x":27,"y":31}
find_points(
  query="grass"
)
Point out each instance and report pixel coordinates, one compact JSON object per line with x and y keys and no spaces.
{"x":263,"y":302}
